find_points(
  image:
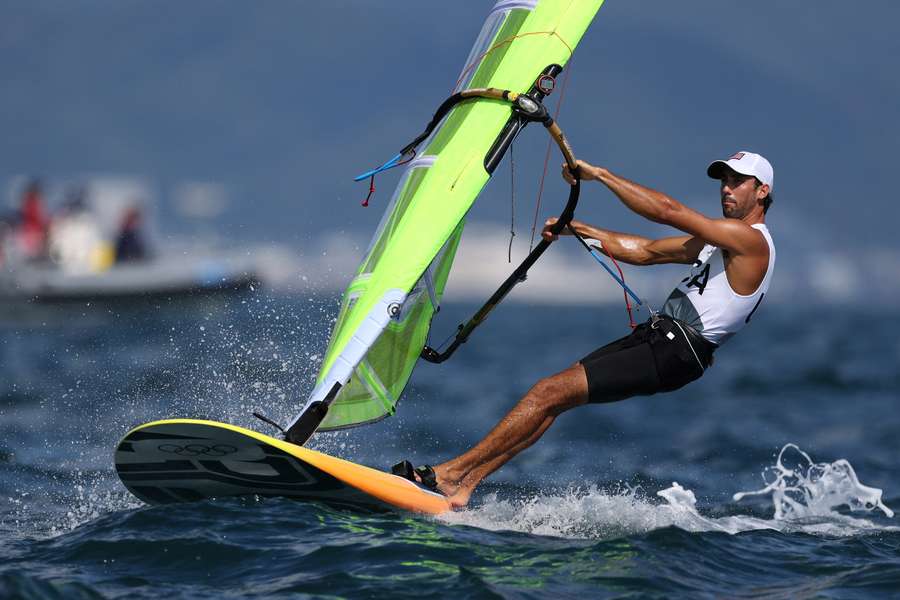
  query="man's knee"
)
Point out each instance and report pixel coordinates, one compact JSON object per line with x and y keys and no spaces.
{"x":562,"y":391}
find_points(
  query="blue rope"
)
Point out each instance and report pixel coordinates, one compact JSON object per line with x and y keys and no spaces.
{"x":618,"y":279}
{"x":388,"y":165}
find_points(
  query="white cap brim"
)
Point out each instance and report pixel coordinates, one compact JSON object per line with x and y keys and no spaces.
{"x":745,"y":163}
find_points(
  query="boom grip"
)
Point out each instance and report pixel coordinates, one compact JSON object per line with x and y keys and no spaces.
{"x":465,"y":330}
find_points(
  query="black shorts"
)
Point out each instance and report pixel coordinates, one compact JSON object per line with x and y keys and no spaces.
{"x":655,"y":357}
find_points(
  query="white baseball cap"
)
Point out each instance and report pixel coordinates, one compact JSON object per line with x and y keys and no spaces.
{"x":745,"y":163}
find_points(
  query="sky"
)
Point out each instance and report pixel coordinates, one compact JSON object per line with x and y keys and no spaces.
{"x":276,"y":105}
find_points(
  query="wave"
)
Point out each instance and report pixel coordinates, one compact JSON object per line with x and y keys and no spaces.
{"x":807,"y":497}
{"x":26,"y":587}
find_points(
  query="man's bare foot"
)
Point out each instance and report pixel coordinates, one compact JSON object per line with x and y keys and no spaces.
{"x":445,"y":485}
{"x":460,"y":499}
{"x":457,"y":492}
{"x":439,"y":478}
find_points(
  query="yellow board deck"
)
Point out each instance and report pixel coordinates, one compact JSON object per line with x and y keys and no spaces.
{"x":185,"y":460}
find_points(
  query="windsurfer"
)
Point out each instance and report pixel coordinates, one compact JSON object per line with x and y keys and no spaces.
{"x":733,"y":259}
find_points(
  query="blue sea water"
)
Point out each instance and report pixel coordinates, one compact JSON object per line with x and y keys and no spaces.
{"x":635,"y":499}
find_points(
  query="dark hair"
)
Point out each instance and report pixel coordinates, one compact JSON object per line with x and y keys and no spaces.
{"x":767,"y":201}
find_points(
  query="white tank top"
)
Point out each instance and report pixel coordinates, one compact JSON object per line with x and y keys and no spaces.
{"x":705,"y":301}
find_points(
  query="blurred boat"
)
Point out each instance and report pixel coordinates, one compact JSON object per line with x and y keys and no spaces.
{"x":104,"y":245}
{"x":165,"y":276}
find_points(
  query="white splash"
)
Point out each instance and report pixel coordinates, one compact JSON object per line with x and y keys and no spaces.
{"x":84,"y":497}
{"x":578,"y":513}
{"x":815,"y":489}
{"x":804,"y":500}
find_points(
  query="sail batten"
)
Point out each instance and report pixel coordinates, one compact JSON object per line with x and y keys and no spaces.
{"x":386,"y":313}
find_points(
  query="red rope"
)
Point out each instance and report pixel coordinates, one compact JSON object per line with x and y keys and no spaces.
{"x":537,"y":207}
{"x":371,"y":190}
{"x":372,"y":179}
{"x":624,"y":293}
{"x":559,"y":102}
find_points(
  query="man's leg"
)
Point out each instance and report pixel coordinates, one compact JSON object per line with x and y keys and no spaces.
{"x":519,"y":429}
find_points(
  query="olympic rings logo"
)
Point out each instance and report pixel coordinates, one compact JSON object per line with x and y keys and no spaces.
{"x":197,"y":449}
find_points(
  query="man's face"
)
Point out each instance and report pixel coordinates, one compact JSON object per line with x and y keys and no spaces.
{"x":740,"y":194}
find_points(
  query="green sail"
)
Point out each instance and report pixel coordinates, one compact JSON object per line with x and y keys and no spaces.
{"x":387,"y":309}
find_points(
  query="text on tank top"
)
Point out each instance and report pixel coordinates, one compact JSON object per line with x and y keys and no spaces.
{"x":705,"y":300}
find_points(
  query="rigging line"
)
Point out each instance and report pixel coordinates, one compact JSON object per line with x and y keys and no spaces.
{"x":619,"y":280}
{"x":394,"y":162}
{"x":625,"y":288}
{"x":532,"y":111}
{"x":508,"y":40}
{"x":371,"y":190}
{"x":269,"y":421}
{"x":410,"y":150}
{"x":390,"y":164}
{"x":443,"y":344}
{"x":537,"y":207}
{"x":624,"y":293}
{"x":529,"y":110}
{"x":512,"y":202}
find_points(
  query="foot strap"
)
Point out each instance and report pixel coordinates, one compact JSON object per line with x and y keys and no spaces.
{"x":426,"y":474}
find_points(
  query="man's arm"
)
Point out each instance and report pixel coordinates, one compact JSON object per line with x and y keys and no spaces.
{"x":634,"y":249}
{"x":729,"y":234}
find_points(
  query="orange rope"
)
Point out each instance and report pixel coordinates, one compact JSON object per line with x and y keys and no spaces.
{"x":508,"y":40}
